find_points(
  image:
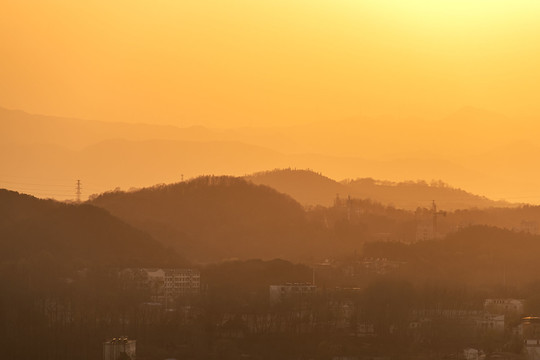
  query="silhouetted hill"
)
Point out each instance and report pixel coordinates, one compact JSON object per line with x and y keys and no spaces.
{"x":212,"y":218}
{"x":477,"y":255}
{"x":46,"y":231}
{"x":305,"y":186}
{"x":310,"y":188}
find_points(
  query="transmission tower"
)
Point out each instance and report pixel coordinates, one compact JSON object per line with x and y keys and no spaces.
{"x":78,"y":193}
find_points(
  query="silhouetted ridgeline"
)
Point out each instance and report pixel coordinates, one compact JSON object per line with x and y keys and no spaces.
{"x":305,"y":186}
{"x":213,"y":218}
{"x":56,"y":234}
{"x":310,"y":188}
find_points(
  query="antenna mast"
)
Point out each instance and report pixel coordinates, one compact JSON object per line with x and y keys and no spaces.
{"x":435,"y":214}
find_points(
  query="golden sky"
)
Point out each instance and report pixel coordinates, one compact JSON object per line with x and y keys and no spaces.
{"x":428,"y":89}
{"x":268,"y":62}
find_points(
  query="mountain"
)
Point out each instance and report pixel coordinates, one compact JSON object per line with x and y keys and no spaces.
{"x":310,"y":188}
{"x":56,"y":151}
{"x":64,"y":235}
{"x":50,"y":170}
{"x":214,"y":218}
{"x":19,"y":127}
{"x":305,"y":186}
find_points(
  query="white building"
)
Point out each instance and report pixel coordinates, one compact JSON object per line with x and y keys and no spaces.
{"x":164,"y":285}
{"x":112,"y":349}
{"x":504,"y":306}
{"x":182,"y":282}
{"x":490,"y":323}
{"x":280,"y":292}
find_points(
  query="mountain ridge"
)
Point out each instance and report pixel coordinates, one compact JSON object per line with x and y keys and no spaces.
{"x":311,"y":189}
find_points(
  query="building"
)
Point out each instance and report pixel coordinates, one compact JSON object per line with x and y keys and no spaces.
{"x":511,"y":307}
{"x":113,"y":349}
{"x":181,"y":283}
{"x":424,"y":232}
{"x":164,"y":285}
{"x":490,"y":323}
{"x":278,"y":293}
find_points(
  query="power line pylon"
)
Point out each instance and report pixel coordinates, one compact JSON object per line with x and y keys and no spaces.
{"x":79,"y":188}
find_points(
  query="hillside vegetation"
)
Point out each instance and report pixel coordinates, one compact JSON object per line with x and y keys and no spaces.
{"x":214,"y":218}
{"x":477,"y":255}
{"x":47,"y":232}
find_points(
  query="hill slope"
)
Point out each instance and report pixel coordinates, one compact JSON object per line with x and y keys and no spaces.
{"x":476,"y":255}
{"x":305,"y":186}
{"x":79,"y":235}
{"x":214,"y":218}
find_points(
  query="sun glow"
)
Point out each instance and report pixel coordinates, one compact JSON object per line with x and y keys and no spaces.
{"x":238,"y":62}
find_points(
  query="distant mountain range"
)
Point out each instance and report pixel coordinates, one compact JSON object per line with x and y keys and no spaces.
{"x":44,"y":155}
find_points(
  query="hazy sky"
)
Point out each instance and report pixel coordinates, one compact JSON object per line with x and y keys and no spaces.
{"x":240,"y":62}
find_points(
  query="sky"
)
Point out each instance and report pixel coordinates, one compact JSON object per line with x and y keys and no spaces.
{"x":434,"y":89}
{"x":264,"y":63}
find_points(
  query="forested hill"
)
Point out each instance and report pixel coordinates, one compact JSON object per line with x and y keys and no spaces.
{"x":58,"y":235}
{"x":311,"y":188}
{"x":476,"y":255}
{"x":214,"y":218}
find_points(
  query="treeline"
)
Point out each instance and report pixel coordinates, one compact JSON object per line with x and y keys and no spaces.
{"x":233,"y":319}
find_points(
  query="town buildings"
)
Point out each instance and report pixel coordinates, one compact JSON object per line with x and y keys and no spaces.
{"x":164,"y":285}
